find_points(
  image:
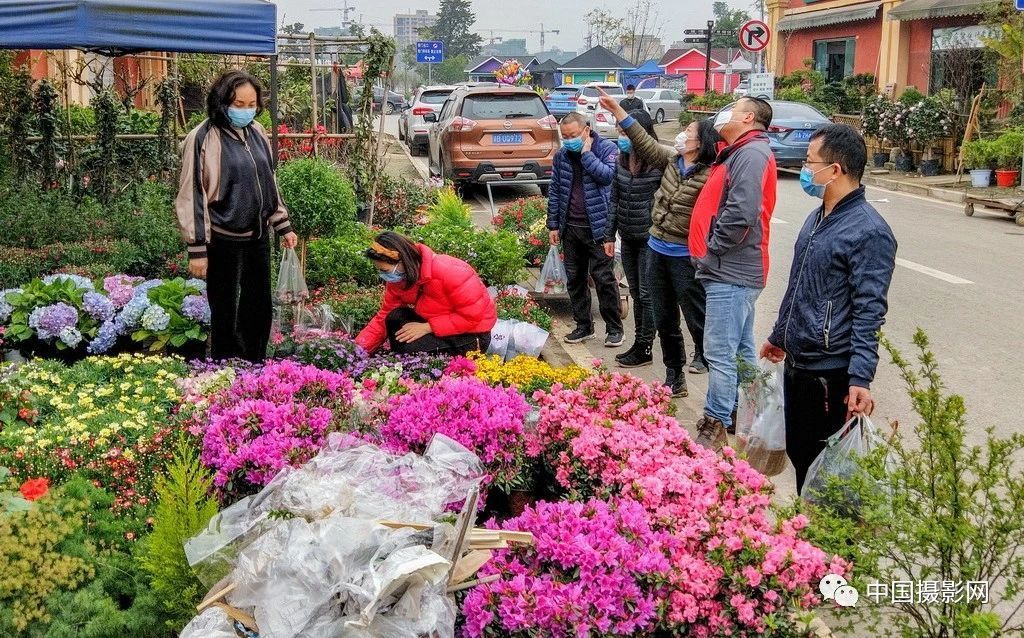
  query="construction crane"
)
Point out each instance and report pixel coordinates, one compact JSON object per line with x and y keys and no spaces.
{"x":542,"y":31}
{"x":344,"y":10}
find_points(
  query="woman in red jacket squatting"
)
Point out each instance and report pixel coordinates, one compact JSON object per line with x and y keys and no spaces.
{"x":432,"y":303}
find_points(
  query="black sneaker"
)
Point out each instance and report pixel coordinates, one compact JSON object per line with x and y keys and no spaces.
{"x":613,"y":340}
{"x":675,"y":380}
{"x":697,"y":365}
{"x":623,"y":355}
{"x":580,"y":334}
{"x":640,"y":356}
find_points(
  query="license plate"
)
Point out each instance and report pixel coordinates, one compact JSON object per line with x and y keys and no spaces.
{"x":507,"y":138}
{"x":802,"y":136}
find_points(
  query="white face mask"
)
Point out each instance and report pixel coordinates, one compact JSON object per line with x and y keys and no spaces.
{"x":723,"y":118}
{"x":681,"y":141}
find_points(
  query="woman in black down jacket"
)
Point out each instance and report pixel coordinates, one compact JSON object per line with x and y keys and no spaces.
{"x":629,"y":214}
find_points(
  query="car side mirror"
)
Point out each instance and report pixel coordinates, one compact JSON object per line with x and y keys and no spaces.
{"x":430,"y":117}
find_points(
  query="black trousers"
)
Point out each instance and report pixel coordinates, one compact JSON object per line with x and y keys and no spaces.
{"x":453,"y":345}
{"x":241,"y":309}
{"x":674,"y":290}
{"x":815,"y":410}
{"x":634,"y":265}
{"x":585,"y":259}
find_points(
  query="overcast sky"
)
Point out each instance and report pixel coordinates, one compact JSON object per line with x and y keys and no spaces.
{"x":566,"y":15}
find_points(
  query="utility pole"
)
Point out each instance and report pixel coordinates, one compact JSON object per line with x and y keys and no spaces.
{"x":707,"y":58}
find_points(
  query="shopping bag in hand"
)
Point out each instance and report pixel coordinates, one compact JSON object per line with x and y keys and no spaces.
{"x":840,"y":461}
{"x":761,"y":419}
{"x":552,"y":276}
{"x":291,"y":285}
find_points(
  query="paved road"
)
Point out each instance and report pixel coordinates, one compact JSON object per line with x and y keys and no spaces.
{"x":959,"y":278}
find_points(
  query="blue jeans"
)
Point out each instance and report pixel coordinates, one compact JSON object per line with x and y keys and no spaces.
{"x":728,"y":335}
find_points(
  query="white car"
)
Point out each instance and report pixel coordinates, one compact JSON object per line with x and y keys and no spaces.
{"x":412,"y":129}
{"x":588,"y":104}
{"x":742,"y":89}
{"x":662,"y":104}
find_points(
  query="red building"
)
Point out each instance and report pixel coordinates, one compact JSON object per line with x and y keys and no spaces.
{"x":691,"y":64}
{"x":901,"y":42}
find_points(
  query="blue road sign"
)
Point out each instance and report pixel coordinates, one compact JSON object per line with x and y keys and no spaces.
{"x":1020,"y":5}
{"x":432,"y":51}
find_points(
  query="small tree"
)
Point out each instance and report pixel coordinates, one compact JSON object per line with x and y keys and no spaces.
{"x":949,"y":513}
{"x":320,"y":200}
{"x":929,"y":120}
{"x":46,"y":114}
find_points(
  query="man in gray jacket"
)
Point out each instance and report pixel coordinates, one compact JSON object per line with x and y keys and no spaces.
{"x":728,"y":243}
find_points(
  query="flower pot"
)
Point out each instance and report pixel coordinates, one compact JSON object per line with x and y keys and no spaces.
{"x":880,"y":159}
{"x":929,"y":168}
{"x":981,"y":177}
{"x":1007,"y":178}
{"x":904,"y":163}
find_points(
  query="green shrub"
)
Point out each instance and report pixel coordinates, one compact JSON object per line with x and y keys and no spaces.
{"x":526,"y":218}
{"x":979,"y":154}
{"x":397,"y":201}
{"x":340,"y":259}
{"x":353,"y":305}
{"x":319,"y":198}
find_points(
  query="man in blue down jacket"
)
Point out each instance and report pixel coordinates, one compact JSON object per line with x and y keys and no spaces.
{"x":835,"y":304}
{"x":581,"y":183}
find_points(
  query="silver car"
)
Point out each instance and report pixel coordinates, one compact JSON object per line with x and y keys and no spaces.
{"x":662,"y":104}
{"x":412,"y":129}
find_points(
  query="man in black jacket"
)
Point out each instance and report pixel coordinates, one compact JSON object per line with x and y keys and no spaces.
{"x":835,"y":304}
{"x":631,"y":102}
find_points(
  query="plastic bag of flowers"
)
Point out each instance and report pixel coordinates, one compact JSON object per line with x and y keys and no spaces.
{"x":308,"y":556}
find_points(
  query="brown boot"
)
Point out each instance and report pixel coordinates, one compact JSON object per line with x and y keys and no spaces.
{"x":711,"y":433}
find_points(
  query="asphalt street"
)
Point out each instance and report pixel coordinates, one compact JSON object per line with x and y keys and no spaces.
{"x":960,"y":279}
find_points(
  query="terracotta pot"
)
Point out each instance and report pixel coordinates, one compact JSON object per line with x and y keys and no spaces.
{"x":1007,"y":178}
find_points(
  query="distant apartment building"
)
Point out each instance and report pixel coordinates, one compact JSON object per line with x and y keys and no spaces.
{"x":639,"y":48}
{"x":408,"y":25}
{"x":514,"y":47}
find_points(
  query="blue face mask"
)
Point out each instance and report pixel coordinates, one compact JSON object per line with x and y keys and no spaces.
{"x":574,"y":145}
{"x":241,"y":118}
{"x":807,"y":183}
{"x":392,"y":277}
{"x":625,"y":144}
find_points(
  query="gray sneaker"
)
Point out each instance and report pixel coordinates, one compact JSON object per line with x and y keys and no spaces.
{"x":697,"y":365}
{"x":711,"y":433}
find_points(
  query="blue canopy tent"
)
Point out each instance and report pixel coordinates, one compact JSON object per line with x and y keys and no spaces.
{"x":646,"y":75}
{"x":115,"y":27}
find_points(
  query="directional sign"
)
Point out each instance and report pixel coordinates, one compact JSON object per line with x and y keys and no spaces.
{"x":754,"y":35}
{"x":695,"y":40}
{"x":720,"y":31}
{"x":1020,"y":5}
{"x":429,"y":52}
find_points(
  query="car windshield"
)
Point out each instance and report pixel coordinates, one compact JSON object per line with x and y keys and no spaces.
{"x":434,"y":97}
{"x":645,"y":95}
{"x":794,"y":111}
{"x":500,"y":107}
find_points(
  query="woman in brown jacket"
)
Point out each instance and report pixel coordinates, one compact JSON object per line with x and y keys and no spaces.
{"x":672,"y":279}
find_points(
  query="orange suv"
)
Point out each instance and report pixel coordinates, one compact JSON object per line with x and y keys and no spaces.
{"x":492,"y":134}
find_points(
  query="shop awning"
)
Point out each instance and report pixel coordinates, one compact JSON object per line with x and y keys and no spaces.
{"x":124,"y":26}
{"x":925,"y":9}
{"x":825,"y":17}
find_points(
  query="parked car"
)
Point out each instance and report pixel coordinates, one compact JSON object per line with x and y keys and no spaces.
{"x":793,"y":124}
{"x":562,"y":100}
{"x":412,"y":128}
{"x":662,"y":104}
{"x":395,"y":101}
{"x":587,"y":104}
{"x":742,"y":89}
{"x":492,"y":134}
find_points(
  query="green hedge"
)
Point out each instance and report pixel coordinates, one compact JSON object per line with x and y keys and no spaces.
{"x":340,"y":259}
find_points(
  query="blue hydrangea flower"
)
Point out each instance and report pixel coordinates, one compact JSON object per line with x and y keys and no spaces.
{"x":196,"y":308}
{"x":71,"y":337}
{"x":81,"y":282}
{"x":98,"y":306}
{"x":132,"y":312}
{"x":198,"y":284}
{"x":155,"y":319}
{"x":105,"y":338}
{"x":6,"y":308}
{"x":49,"y":321}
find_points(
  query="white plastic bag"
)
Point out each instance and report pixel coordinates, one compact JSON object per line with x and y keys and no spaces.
{"x":553,"y":279}
{"x":511,"y":338}
{"x":856,"y":440}
{"x":291,"y":285}
{"x":212,"y":623}
{"x":501,"y":335}
{"x":761,"y":432}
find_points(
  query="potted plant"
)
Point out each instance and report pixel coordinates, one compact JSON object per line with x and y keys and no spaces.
{"x":978,"y":157}
{"x":895,"y":131}
{"x":871,"y":124}
{"x":1009,"y":147}
{"x":927,"y":121}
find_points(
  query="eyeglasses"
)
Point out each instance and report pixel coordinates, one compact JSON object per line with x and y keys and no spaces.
{"x":806,"y":163}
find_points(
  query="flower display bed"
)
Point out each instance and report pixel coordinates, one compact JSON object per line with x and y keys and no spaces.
{"x":639,"y":532}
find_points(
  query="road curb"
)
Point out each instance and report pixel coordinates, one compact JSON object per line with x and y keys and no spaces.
{"x":933,"y":192}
